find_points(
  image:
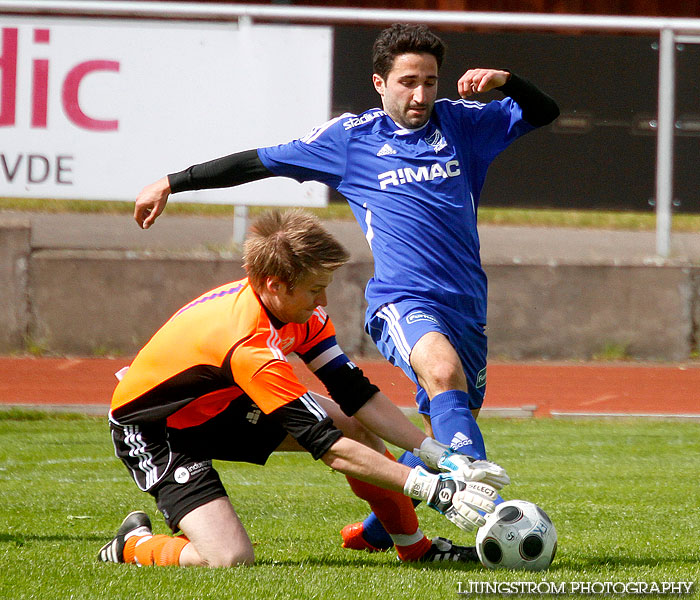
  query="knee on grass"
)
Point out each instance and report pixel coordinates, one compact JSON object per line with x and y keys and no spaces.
{"x":223,"y":557}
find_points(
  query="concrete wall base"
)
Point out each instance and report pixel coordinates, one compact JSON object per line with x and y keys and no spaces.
{"x":15,"y":251}
{"x":111,"y":302}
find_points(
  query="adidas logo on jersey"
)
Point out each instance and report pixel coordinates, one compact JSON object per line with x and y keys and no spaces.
{"x":407,"y":174}
{"x":459,"y":441}
{"x":386,"y":150}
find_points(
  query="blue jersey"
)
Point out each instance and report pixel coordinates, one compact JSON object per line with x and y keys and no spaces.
{"x":415,"y":193}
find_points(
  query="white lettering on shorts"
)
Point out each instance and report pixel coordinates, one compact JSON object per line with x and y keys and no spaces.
{"x":183,"y":474}
{"x":419,"y":315}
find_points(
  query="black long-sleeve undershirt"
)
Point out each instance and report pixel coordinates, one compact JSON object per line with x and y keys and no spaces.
{"x":243,"y":167}
{"x":538,"y":108}
{"x":227,"y":171}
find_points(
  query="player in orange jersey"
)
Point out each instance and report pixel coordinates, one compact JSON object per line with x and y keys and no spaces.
{"x":215,"y":383}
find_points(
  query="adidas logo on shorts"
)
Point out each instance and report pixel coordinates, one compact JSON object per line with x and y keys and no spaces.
{"x":459,"y":441}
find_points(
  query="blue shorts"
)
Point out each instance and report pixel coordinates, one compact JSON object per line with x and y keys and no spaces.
{"x":397,"y":326}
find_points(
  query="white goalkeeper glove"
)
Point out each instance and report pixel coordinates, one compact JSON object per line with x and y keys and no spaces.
{"x":441,"y":457}
{"x":458,"y":500}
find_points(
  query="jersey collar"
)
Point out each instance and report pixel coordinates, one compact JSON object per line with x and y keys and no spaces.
{"x":274,"y":321}
{"x":405,"y":130}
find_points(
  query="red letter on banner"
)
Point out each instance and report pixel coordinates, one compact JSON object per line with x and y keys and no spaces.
{"x":71,"y":86}
{"x":8,"y":80}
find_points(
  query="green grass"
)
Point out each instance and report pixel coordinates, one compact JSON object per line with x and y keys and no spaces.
{"x":612,"y":351}
{"x":332,"y":211}
{"x":623,"y":495}
{"x":591,"y":219}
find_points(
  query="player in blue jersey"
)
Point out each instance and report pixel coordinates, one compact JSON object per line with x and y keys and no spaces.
{"x":412,"y":173}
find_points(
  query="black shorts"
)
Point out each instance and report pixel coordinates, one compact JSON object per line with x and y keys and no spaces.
{"x":175,"y":465}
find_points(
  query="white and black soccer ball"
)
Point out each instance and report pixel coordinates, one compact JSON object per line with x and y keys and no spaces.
{"x":517,"y":535}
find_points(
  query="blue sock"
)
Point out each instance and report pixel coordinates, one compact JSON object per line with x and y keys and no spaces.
{"x":374,"y":533}
{"x":372,"y":530}
{"x":411,"y":460}
{"x":453,"y":424}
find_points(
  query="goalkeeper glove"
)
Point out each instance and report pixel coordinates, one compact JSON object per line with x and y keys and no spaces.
{"x":441,"y":457}
{"x":458,"y":500}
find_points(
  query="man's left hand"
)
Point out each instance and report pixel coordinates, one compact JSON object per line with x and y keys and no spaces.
{"x":477,"y":81}
{"x":439,"y":456}
{"x":473,"y":470}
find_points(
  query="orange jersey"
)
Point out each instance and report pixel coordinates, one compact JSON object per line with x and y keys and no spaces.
{"x":215,"y":349}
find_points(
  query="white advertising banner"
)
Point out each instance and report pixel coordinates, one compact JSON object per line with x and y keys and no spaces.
{"x":97,"y":108}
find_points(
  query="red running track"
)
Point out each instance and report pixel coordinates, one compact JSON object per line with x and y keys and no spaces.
{"x":562,"y":387}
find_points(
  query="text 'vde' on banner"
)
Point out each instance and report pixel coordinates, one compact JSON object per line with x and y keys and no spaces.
{"x":96,"y":108}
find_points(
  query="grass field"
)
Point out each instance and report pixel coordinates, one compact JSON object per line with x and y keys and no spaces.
{"x":623,"y":495}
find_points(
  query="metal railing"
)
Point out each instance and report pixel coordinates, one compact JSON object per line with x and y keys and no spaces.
{"x":670,"y":31}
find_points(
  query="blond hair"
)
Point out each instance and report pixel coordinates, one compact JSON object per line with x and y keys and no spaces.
{"x":289,"y":245}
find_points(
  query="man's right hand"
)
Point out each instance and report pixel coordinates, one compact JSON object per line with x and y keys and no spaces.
{"x":458,"y":500}
{"x":151,"y":202}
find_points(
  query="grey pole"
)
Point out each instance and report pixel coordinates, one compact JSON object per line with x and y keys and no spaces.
{"x":664,"y":148}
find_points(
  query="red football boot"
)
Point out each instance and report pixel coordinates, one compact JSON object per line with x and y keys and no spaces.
{"x":353,"y":538}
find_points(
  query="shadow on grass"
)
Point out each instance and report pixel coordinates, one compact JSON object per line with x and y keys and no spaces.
{"x":366,"y":562}
{"x":22,"y":539}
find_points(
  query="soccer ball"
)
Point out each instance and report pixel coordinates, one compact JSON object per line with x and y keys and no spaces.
{"x":517,"y":535}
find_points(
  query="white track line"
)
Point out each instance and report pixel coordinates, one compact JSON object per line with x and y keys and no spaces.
{"x":557,"y":414}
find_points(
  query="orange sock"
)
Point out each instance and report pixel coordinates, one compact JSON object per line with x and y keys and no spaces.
{"x":398,"y":515}
{"x":414,"y":551}
{"x":160,"y":550}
